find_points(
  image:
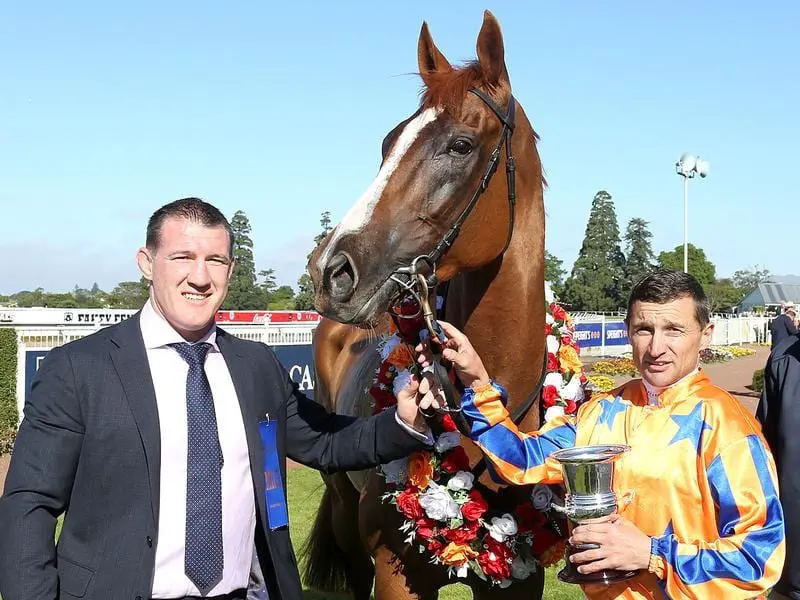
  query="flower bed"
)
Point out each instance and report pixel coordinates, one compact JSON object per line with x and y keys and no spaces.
{"x":615,"y":366}
{"x":600,"y":383}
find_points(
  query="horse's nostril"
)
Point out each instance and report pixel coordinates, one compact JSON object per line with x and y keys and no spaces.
{"x":340,"y":277}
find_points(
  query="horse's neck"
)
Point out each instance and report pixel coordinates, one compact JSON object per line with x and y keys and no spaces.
{"x":501,"y":309}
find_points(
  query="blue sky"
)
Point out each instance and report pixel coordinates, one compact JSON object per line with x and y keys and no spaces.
{"x":109,"y":110}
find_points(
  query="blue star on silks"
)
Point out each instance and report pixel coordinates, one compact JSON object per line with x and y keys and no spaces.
{"x":610,"y":408}
{"x":690,"y":427}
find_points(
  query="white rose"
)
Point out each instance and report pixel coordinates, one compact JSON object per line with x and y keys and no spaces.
{"x":401,"y":381}
{"x":553,"y":412}
{"x":573,"y":390}
{"x":522,"y":568}
{"x":554,"y":379}
{"x":438,"y":503}
{"x":553,"y":344}
{"x":390,"y":345}
{"x":395,"y":471}
{"x":447,"y":441}
{"x":549,"y":297}
{"x":502,"y":527}
{"x":548,"y":318}
{"x":461,"y":481}
{"x":542,"y":496}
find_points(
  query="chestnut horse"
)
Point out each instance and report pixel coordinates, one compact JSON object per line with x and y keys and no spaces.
{"x":434,"y":196}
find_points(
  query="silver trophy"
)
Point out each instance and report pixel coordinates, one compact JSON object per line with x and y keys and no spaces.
{"x":588,"y":473}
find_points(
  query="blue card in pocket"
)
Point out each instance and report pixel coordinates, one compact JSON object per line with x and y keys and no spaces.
{"x":273,"y":485}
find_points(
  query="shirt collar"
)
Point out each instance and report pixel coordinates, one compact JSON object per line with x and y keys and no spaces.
{"x":675,"y":392}
{"x":157,"y":332}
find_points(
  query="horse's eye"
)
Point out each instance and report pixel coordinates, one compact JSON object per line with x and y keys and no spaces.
{"x":461,"y":146}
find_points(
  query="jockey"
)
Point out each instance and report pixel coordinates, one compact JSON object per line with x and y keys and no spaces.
{"x":704,"y":520}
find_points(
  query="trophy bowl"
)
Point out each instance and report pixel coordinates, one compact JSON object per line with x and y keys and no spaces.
{"x":588,"y":473}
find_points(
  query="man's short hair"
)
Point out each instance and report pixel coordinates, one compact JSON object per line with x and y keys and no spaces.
{"x":193,"y":209}
{"x":666,"y":285}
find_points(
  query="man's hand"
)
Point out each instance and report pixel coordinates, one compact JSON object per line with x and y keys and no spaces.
{"x":458,"y":350}
{"x":418,"y":394}
{"x":622,"y":546}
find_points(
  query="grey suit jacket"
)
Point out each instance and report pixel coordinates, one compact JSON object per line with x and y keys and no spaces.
{"x":89,"y":445}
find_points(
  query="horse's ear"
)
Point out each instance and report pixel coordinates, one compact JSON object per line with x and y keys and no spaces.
{"x":430,"y":58}
{"x":491,"y":53}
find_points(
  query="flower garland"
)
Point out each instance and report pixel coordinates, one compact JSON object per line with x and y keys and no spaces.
{"x":445,"y":513}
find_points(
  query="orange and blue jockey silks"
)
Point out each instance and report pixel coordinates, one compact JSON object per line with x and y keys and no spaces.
{"x":703,"y":482}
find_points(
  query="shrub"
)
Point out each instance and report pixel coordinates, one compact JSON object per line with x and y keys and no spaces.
{"x":8,"y":380}
{"x":758,"y":380}
{"x":7,"y":439}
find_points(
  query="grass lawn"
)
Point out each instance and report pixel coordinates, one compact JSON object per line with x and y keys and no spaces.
{"x":305,"y":491}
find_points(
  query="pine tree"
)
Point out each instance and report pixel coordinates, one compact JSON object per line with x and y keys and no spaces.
{"x":554,"y":273}
{"x":304,"y":300}
{"x":242,"y":291}
{"x":597,"y":275}
{"x":639,"y":258}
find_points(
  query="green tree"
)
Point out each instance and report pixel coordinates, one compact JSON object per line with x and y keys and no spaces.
{"x":723,"y":295}
{"x":597,"y":275}
{"x":699,"y":266}
{"x":243,"y":294}
{"x":748,"y":279}
{"x":129,"y":294}
{"x":282,"y":298}
{"x":554,"y":272}
{"x":639,"y":257}
{"x":304,"y":300}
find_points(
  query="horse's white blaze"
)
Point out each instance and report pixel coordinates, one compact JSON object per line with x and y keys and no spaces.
{"x":361,"y":212}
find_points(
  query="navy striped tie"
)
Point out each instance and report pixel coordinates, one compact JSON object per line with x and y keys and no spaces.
{"x":204,"y":559}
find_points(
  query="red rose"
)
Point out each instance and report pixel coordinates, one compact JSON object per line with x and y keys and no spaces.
{"x":493,"y":565}
{"x":566,"y":340}
{"x":528,"y":518}
{"x":559,"y":314}
{"x":462,"y":535}
{"x":500,"y":549}
{"x":426,"y":528}
{"x":571,"y":407}
{"x":448,"y":424}
{"x":473,"y":509}
{"x":435,"y":546}
{"x":552,"y":362}
{"x":456,"y":460}
{"x":548,"y":329}
{"x":408,"y":503}
{"x":584,"y":379}
{"x":386,"y":374}
{"x":549,"y":395}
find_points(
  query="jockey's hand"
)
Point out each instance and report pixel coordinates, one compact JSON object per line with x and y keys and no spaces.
{"x":459,"y":351}
{"x":622,"y":546}
{"x":419,"y":395}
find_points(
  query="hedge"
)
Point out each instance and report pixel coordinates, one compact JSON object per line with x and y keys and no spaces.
{"x":8,"y":388}
{"x":758,"y":380}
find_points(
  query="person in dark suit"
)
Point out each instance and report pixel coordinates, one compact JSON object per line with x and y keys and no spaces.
{"x":784,"y":325}
{"x":163,"y":439}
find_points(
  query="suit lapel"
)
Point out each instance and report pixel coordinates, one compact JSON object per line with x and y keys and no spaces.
{"x":242,"y":373}
{"x":129,"y":357}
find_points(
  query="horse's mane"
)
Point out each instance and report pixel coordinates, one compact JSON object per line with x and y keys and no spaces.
{"x":448,"y":90}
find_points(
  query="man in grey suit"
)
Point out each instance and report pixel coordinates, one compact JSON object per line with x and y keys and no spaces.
{"x":163,"y":440}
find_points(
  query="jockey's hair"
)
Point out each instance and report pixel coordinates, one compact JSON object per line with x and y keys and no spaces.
{"x":193,"y":209}
{"x":665,"y":285}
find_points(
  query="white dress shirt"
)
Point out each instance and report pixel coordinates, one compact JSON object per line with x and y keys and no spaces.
{"x":169,"y":373}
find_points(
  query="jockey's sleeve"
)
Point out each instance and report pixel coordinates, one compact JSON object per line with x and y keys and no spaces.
{"x":747,"y":558}
{"x":515,"y":457}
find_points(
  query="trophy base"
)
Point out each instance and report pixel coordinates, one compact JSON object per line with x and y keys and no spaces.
{"x":570,"y":574}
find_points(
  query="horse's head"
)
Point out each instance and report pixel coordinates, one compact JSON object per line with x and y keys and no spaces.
{"x":428,"y":198}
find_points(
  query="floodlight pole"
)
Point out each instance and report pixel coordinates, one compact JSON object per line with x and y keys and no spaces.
{"x":687,"y":167}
